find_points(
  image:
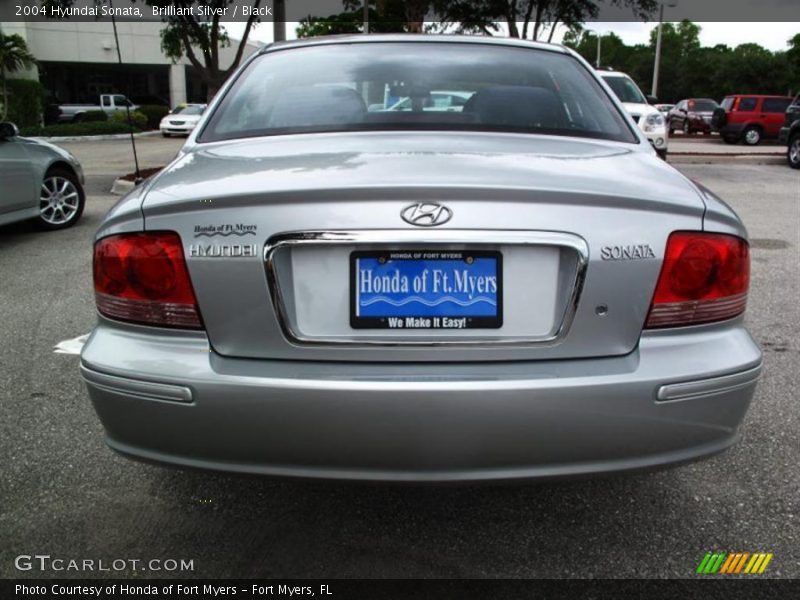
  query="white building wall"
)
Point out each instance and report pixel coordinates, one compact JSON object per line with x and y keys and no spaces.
{"x":93,"y":42}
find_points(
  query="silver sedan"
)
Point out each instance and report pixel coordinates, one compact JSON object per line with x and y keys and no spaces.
{"x":38,"y":181}
{"x":516,"y":289}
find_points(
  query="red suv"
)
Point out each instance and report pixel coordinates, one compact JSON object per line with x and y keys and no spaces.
{"x":750,"y":117}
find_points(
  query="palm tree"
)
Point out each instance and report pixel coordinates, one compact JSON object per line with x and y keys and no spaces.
{"x":14,"y":56}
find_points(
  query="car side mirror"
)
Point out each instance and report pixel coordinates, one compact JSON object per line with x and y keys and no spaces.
{"x":651,"y":99}
{"x":8,"y":131}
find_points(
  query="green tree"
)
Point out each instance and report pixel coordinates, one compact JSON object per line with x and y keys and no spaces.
{"x":538,"y":18}
{"x":613,"y":51}
{"x":14,"y":56}
{"x":385,"y":16}
{"x":198,"y":38}
{"x":690,"y":70}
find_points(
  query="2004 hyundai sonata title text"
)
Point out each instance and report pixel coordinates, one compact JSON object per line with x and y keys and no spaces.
{"x":420,"y":258}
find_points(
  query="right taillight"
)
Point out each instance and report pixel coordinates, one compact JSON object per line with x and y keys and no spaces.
{"x":704,"y":278}
{"x":142,"y":278}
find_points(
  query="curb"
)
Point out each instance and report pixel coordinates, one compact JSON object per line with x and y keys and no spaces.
{"x":719,"y":158}
{"x":95,"y":138}
{"x":122,"y":187}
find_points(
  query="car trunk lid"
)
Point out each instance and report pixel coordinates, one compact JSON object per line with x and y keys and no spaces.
{"x":270,"y":227}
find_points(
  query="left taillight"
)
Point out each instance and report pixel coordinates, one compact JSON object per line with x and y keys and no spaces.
{"x":142,"y":278}
{"x":704,"y":278}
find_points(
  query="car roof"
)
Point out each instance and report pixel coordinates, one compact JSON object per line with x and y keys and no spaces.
{"x":409,"y":37}
{"x":607,"y":73}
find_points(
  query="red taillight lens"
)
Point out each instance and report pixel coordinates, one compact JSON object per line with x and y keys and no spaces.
{"x":142,"y":277}
{"x":704,"y":278}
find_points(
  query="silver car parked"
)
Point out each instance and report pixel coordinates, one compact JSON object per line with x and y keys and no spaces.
{"x":38,"y":181}
{"x":517,"y":289}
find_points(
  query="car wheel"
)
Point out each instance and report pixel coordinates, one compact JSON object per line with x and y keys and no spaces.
{"x":686,"y":128}
{"x":794,"y":151}
{"x":61,"y":200}
{"x":752,"y":136}
{"x":165,"y":134}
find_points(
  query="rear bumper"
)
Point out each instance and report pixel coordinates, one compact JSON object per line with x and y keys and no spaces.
{"x":700,"y":125}
{"x":679,"y":396}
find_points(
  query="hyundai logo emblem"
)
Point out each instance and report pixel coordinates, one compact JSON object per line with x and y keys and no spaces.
{"x":426,"y":214}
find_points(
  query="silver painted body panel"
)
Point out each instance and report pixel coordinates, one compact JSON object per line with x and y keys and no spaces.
{"x":602,"y":192}
{"x":270,"y":387}
{"x":23,"y":164}
{"x":429,"y":422}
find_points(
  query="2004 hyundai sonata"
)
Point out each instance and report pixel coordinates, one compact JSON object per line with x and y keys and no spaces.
{"x":516,"y":287}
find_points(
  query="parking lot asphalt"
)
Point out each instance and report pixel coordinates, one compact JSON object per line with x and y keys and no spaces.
{"x":64,"y":494}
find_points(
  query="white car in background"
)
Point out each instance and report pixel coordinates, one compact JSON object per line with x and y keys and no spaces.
{"x":182,"y":120}
{"x":650,"y":120}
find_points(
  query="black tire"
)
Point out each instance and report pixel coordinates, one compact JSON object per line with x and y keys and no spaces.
{"x":793,"y":151}
{"x":719,"y":118}
{"x":54,"y":180}
{"x":165,"y":134}
{"x":752,"y":135}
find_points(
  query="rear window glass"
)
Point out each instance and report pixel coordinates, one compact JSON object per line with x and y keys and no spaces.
{"x":775,"y":105}
{"x":412,"y":86}
{"x":702,"y":105}
{"x":748,"y":104}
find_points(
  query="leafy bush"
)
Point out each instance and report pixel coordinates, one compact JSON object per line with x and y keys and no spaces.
{"x":154,"y":114}
{"x":25,"y":102}
{"x":93,"y":116}
{"x":73,"y":129}
{"x":139,"y":120}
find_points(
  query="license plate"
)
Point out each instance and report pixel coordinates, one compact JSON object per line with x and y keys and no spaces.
{"x":426,"y":289}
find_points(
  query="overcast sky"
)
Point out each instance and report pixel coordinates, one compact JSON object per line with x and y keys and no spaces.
{"x":770,"y":35}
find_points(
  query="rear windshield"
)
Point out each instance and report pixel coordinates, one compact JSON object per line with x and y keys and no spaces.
{"x":702,"y":105}
{"x":412,"y":86}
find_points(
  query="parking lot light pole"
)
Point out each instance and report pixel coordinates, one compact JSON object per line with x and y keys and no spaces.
{"x":599,"y":40}
{"x":671,"y":4}
{"x":279,"y":21}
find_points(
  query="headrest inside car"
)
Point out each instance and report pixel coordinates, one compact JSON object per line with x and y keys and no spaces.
{"x":315,"y":105}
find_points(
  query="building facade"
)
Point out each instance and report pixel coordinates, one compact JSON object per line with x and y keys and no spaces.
{"x":77,"y":61}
